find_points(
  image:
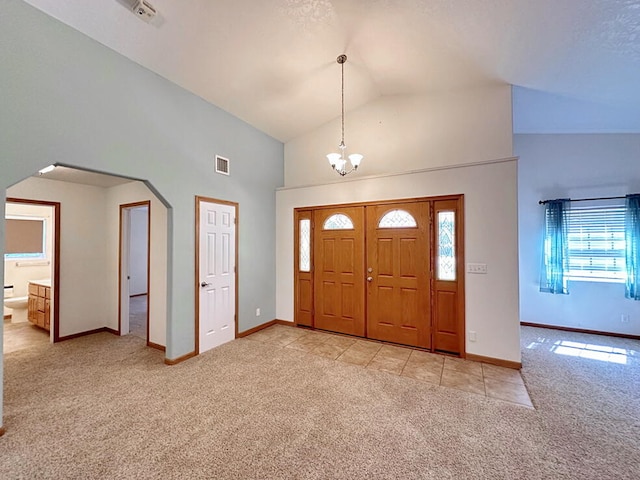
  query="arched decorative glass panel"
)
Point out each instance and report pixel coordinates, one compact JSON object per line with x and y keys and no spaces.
{"x":305,"y":245}
{"x":338,"y":221}
{"x":397,"y":219}
{"x":446,"y":245}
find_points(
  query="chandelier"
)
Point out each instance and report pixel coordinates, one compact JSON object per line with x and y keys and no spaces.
{"x":337,"y":160}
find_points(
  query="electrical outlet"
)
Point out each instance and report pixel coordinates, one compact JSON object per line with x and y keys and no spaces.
{"x":624,"y":318}
{"x":472,"y":336}
{"x":257,"y":312}
{"x":480,"y":268}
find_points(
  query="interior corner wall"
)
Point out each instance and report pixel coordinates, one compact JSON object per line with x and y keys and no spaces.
{"x":491,"y":237}
{"x":409,"y":132}
{"x":68,"y":99}
{"x":131,"y":193}
{"x":83,"y":262}
{"x":572,"y":166}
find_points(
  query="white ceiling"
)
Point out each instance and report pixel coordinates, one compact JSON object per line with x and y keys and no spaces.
{"x":272,"y":62}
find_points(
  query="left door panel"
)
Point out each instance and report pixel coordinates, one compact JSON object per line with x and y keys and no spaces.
{"x":338,"y":250}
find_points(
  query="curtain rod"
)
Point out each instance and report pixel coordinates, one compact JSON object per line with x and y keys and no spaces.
{"x":542,"y":202}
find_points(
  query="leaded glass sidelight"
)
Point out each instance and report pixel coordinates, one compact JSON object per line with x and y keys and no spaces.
{"x":338,"y":221}
{"x":446,"y":245}
{"x":397,"y":219}
{"x":305,"y":245}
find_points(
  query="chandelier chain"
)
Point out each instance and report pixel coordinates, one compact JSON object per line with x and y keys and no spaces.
{"x":342,"y":89}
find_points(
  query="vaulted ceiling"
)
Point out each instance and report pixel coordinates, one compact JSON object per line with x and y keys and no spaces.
{"x":273,"y":63}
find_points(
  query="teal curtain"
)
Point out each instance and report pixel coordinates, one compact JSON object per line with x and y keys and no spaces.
{"x":632,"y":246}
{"x":555,"y":255}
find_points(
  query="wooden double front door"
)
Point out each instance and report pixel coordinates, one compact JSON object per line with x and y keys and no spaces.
{"x":384,"y":271}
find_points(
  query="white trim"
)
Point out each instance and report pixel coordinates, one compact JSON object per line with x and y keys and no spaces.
{"x":398,"y":174}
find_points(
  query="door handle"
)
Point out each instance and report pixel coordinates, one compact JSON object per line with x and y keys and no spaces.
{"x":369,"y":279}
{"x":204,"y":284}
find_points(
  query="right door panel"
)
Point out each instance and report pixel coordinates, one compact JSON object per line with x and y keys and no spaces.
{"x":448,"y":318}
{"x":398,"y":273}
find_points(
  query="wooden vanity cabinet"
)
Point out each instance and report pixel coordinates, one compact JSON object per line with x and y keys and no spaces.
{"x":39,"y":306}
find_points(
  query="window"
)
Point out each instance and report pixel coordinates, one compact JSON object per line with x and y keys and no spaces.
{"x":338,"y":221}
{"x":596,"y":244}
{"x":24,"y":237}
{"x":446,"y":262}
{"x":397,"y":219}
{"x":305,"y":245}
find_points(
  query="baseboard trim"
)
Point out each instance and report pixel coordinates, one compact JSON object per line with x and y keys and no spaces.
{"x":580,"y":330}
{"x":2,"y":431}
{"x":175,"y":361}
{"x":7,"y":317}
{"x":157,"y":346}
{"x":88,"y":332}
{"x":246,"y":333}
{"x":494,"y":361}
{"x":112,"y":331}
{"x":138,"y":295}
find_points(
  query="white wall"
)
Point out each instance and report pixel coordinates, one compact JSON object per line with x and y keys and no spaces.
{"x":573,"y":166}
{"x":490,"y":237}
{"x":138,"y":250}
{"x":131,"y":193}
{"x":405,"y":133}
{"x":83,"y":260}
{"x":19,"y":276}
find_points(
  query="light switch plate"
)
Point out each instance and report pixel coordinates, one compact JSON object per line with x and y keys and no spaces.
{"x":479,"y":268}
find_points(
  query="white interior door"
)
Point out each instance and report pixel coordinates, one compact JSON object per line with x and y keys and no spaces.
{"x":217,"y":299}
{"x":125,"y":225}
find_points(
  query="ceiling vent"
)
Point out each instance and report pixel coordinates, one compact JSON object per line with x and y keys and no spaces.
{"x":222,"y":165}
{"x":144,"y":10}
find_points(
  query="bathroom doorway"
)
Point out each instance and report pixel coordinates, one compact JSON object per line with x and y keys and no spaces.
{"x":31,"y":273}
{"x":135,"y":234}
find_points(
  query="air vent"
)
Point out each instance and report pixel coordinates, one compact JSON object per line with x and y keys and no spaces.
{"x":222,"y":165}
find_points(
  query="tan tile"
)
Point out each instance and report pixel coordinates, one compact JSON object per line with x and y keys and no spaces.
{"x":390,"y":359}
{"x":423,"y":373}
{"x":360,"y":353}
{"x":463,"y":366}
{"x":305,"y":343}
{"x":328,"y":350}
{"x":511,"y":392}
{"x":462,"y":381}
{"x":341,"y":341}
{"x":419,"y":357}
{"x":282,"y":339}
{"x":502,"y":373}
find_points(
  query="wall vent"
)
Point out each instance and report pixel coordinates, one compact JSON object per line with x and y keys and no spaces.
{"x":222,"y":165}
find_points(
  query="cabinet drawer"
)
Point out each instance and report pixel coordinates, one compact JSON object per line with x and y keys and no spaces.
{"x":42,"y":291}
{"x":47,"y":292}
{"x":33,"y":289}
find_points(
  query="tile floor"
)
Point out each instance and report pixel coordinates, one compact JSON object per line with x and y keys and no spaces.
{"x":473,"y":377}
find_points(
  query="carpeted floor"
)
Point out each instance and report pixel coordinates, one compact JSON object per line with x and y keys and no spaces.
{"x":106,"y":407}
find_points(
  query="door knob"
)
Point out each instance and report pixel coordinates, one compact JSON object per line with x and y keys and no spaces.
{"x":369,"y":279}
{"x":204,"y":284}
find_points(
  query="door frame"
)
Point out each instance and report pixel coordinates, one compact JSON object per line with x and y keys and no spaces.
{"x":56,"y":258}
{"x":460,"y":246}
{"x":198,"y":200}
{"x":124,"y":255}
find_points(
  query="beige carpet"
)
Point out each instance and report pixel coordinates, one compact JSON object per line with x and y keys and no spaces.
{"x":106,"y":407}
